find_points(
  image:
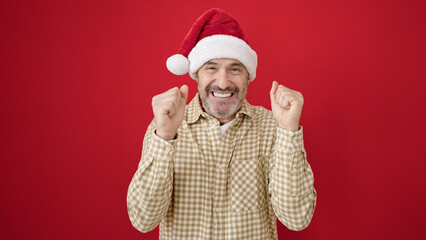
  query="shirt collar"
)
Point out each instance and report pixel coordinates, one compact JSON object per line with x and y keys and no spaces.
{"x":194,"y":110}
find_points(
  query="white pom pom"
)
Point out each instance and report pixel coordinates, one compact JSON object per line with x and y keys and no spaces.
{"x":178,"y":64}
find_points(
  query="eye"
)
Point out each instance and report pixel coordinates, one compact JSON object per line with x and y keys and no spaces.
{"x":235,"y":70}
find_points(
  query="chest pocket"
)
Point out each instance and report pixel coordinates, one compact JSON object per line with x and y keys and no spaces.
{"x":247,"y":183}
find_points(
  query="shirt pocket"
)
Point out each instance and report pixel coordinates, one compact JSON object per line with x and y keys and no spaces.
{"x":247,"y":184}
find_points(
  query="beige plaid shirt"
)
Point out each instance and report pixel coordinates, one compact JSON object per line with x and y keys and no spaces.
{"x":203,"y":185}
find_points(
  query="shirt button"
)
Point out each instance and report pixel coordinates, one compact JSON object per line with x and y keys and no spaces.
{"x":218,"y":210}
{"x":168,"y":149}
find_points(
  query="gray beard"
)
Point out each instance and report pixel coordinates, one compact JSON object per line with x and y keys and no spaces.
{"x":234,"y":107}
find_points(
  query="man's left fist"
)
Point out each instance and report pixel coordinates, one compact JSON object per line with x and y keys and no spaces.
{"x":286,"y":106}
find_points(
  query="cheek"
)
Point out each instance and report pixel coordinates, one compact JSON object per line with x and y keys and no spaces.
{"x":241,"y":84}
{"x":203,"y":83}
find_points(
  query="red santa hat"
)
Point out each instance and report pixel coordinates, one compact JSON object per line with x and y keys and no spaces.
{"x":215,"y":34}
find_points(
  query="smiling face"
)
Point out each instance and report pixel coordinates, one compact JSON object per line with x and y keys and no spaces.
{"x":222,"y":86}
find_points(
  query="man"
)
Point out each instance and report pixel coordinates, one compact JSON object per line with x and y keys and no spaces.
{"x":221,"y":168}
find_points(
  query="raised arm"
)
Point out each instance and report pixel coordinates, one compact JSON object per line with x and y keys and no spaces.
{"x":291,"y":185}
{"x":150,"y":190}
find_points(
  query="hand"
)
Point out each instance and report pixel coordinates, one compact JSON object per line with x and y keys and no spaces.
{"x":169,"y":110}
{"x":286,"y":106}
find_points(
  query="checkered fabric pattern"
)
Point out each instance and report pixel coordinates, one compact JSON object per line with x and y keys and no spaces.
{"x":203,"y":185}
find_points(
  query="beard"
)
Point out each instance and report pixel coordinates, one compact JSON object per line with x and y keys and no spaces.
{"x":222,"y":109}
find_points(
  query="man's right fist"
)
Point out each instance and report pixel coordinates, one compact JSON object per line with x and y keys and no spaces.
{"x":169,"y":110}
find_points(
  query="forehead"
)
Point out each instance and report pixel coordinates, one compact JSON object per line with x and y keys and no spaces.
{"x":224,"y":61}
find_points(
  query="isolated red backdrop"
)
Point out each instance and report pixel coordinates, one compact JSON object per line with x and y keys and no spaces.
{"x":77,"y":79}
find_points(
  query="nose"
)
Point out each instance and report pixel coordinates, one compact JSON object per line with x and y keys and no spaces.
{"x":222,"y":79}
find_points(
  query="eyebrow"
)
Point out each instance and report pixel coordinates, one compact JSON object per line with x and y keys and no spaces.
{"x":211,"y":62}
{"x":237,"y":64}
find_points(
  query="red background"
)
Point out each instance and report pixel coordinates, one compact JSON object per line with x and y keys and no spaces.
{"x":77,"y":79}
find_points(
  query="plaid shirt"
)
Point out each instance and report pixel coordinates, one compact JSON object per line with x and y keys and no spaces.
{"x":203,"y":185}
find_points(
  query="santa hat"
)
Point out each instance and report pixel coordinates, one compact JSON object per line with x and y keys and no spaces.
{"x":215,"y":34}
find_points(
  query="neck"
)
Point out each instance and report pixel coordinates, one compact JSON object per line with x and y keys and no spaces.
{"x":226,"y":120}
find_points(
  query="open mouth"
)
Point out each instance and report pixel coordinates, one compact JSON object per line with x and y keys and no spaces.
{"x":222,"y":95}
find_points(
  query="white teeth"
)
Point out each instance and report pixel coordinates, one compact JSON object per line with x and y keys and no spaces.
{"x":222,"y":95}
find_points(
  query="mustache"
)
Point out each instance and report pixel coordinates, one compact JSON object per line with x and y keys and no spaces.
{"x":215,"y":87}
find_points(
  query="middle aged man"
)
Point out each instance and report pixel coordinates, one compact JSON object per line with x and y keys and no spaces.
{"x":221,"y":168}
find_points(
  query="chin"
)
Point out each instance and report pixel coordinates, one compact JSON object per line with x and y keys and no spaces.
{"x":225,"y":113}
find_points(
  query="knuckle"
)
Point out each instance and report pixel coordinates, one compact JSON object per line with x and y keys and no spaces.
{"x":154,"y":101}
{"x":175,"y":90}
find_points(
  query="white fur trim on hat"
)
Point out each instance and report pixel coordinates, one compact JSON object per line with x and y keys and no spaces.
{"x":222,"y":46}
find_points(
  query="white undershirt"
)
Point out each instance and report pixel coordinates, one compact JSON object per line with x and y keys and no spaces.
{"x":225,"y":126}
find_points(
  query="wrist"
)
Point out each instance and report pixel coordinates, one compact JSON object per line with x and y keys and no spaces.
{"x":293,"y":128}
{"x":166,"y":136}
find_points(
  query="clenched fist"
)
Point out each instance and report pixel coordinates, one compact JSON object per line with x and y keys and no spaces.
{"x":169,"y":109}
{"x":286,"y":106}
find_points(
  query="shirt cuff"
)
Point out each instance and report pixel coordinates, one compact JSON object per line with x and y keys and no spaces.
{"x":289,"y":141}
{"x":160,"y":148}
